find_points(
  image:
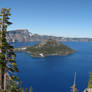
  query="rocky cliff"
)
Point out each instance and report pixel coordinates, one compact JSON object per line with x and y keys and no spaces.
{"x":19,"y":35}
{"x":23,"y":35}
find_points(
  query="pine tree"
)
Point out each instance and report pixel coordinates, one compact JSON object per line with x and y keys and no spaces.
{"x":90,"y":81}
{"x":26,"y":90}
{"x":30,"y":89}
{"x":7,"y":56}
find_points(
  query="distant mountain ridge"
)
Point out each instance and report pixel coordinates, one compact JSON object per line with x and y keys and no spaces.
{"x":23,"y":35}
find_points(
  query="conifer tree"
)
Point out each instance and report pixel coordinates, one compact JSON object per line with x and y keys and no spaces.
{"x":7,"y":56}
{"x":30,"y":89}
{"x":26,"y":90}
{"x":90,"y":81}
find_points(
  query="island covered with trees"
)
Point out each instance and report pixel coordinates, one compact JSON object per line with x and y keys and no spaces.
{"x":47,"y":48}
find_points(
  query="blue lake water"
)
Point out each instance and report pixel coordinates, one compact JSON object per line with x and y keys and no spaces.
{"x":55,"y":73}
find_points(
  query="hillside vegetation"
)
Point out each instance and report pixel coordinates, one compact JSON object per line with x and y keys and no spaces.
{"x":49,"y":48}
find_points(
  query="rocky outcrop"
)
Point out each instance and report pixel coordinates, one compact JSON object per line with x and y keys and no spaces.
{"x":23,"y":35}
{"x":19,"y":35}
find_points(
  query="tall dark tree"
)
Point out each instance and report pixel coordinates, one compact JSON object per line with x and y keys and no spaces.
{"x":90,"y":81}
{"x":30,"y":89}
{"x":7,"y":56}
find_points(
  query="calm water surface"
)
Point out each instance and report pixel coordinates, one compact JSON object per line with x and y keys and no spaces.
{"x":55,"y":73}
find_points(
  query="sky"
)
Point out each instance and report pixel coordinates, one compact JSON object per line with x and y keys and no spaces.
{"x":67,"y":18}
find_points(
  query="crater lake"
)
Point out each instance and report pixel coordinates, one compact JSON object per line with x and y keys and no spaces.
{"x":55,"y":73}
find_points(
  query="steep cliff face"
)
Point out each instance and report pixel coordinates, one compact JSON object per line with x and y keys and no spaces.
{"x":23,"y":35}
{"x":19,"y":35}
